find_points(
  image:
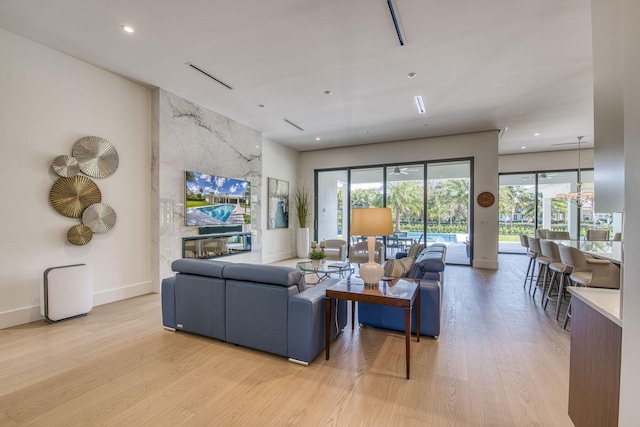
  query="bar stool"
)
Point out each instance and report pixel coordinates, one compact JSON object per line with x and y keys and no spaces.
{"x":557,"y":267}
{"x":588,"y":271}
{"x":524,"y":241}
{"x":543,"y":259}
{"x":534,"y":247}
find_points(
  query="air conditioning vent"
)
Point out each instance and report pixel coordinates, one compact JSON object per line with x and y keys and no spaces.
{"x":293,"y":124}
{"x":189,"y":64}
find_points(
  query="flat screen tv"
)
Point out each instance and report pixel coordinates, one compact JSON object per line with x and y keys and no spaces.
{"x":216,"y":200}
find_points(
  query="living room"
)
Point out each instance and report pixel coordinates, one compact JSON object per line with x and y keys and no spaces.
{"x":50,"y":100}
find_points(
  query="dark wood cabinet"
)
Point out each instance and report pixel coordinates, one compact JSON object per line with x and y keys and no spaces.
{"x":594,"y":381}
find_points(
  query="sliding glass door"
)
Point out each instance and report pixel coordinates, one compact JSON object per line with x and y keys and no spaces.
{"x":430,"y":203}
{"x":516,"y":210}
{"x":405,"y":196}
{"x":448,"y":208}
{"x":538,"y":200}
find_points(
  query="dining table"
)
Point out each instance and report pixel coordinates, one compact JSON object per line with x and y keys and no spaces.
{"x":603,"y":249}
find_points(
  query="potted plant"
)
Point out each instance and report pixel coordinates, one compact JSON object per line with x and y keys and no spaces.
{"x":317,"y":256}
{"x":302,"y":206}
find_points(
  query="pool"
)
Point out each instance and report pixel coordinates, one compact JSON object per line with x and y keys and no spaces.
{"x":219,"y":212}
{"x":439,"y":237}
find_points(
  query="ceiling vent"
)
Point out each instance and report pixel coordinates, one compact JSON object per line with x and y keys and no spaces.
{"x":293,"y":124}
{"x":200,"y":70}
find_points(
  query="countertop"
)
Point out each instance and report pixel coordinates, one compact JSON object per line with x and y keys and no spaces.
{"x":604,"y":301}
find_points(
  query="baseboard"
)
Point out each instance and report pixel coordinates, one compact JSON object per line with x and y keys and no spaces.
{"x":279,"y":257}
{"x":112,"y":295}
{"x":491,"y":265}
{"x":20,"y":316}
{"x":32,"y":314}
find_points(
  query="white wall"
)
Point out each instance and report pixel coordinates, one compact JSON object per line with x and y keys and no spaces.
{"x":608,"y":105}
{"x":48,"y":101}
{"x":280,"y":162}
{"x":482,"y":146}
{"x":545,"y":161}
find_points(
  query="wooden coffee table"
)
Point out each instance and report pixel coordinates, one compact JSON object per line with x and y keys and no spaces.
{"x":397,"y":292}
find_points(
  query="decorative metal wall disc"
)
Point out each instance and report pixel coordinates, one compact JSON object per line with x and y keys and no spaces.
{"x":70,"y":196}
{"x":66,"y":166}
{"x":96,"y":156}
{"x":100,"y":217}
{"x":79,"y":235}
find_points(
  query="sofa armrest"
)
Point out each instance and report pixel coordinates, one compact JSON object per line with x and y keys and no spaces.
{"x":306,"y":322}
{"x":380,"y":316}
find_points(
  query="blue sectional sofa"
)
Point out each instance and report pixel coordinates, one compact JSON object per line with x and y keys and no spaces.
{"x":429,"y":268}
{"x":265,"y":307}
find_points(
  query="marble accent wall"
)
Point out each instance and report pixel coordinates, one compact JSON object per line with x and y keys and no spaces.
{"x":188,"y":137}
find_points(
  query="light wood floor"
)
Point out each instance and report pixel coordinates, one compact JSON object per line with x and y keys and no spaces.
{"x":500,"y":361}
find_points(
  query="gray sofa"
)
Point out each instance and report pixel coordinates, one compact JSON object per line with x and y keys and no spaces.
{"x":429,"y":268}
{"x":265,"y":307}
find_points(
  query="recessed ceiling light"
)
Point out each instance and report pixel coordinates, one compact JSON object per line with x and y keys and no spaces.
{"x":261,"y":105}
{"x":317,"y":138}
{"x":536,"y":134}
{"x":128,"y":28}
{"x":411,"y":75}
{"x":523,"y":147}
{"x":327,"y":92}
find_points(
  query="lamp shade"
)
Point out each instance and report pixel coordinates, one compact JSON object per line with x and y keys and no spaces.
{"x":371,"y":222}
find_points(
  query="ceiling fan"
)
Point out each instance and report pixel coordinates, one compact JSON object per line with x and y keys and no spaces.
{"x":545,"y":175}
{"x":402,"y":171}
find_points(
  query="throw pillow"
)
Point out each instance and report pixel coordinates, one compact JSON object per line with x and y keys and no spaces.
{"x":398,"y":267}
{"x":415,"y":250}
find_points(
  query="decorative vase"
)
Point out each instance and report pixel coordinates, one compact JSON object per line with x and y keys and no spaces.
{"x":316,"y":263}
{"x":302,"y":242}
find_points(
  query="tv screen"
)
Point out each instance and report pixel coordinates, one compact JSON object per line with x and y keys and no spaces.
{"x":212,"y":199}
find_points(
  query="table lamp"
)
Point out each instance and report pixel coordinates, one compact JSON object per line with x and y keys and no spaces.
{"x":371,"y":222}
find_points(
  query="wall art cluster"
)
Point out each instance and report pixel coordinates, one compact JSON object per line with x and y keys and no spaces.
{"x":77,"y":196}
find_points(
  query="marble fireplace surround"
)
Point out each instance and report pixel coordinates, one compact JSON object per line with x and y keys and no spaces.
{"x":184,"y":137}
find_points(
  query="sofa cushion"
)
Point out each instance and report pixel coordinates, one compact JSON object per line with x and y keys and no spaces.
{"x":398,"y":267}
{"x":270,"y":274}
{"x":199,"y":267}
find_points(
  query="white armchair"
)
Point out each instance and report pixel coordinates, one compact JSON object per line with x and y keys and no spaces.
{"x":335,"y":249}
{"x":359,"y":253}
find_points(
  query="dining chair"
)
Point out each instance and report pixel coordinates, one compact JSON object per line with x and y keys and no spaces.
{"x":393,"y":245}
{"x":541,"y":233}
{"x":557,"y":235}
{"x":588,"y":271}
{"x":597,"y":234}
